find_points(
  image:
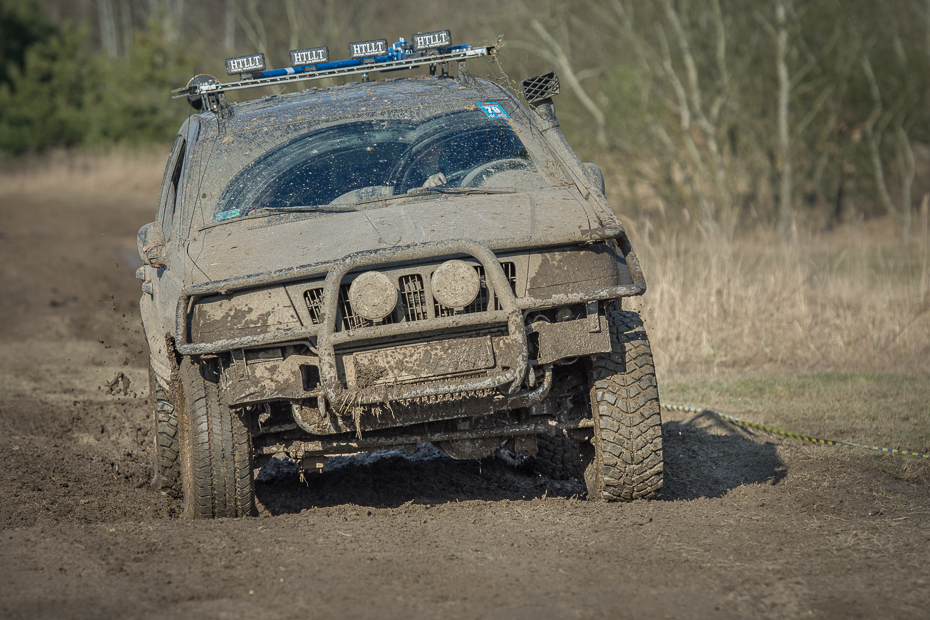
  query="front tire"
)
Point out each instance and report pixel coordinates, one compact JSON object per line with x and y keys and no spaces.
{"x":216,"y":450}
{"x":624,"y":459}
{"x":167,"y":475}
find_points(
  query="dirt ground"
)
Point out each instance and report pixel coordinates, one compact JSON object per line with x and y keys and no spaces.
{"x":749,"y":525}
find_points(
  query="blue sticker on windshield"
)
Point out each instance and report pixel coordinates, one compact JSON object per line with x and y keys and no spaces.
{"x":226,"y":215}
{"x":493,"y":109}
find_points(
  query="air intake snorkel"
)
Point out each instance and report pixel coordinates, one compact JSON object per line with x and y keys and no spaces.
{"x":538,"y":92}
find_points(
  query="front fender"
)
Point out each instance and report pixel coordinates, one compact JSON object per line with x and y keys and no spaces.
{"x":161,"y":359}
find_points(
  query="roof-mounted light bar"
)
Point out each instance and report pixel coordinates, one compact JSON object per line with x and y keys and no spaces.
{"x":431,"y":40}
{"x":310,"y":56}
{"x":245,"y":64}
{"x":368,"y":49}
{"x":430,"y":48}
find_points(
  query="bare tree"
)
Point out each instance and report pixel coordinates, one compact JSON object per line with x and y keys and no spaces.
{"x":170,"y":14}
{"x":108,"y":36}
{"x":174,"y":20}
{"x":253,"y":25}
{"x":784,"y":144}
{"x":724,"y":109}
{"x":558,"y":55}
{"x":229,"y":34}
{"x":675,"y":79}
{"x":874,"y":128}
{"x":125,"y":13}
{"x":336,"y":26}
{"x":706,"y":124}
{"x":294,"y":18}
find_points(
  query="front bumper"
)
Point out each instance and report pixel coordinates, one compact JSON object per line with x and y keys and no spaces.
{"x":506,"y":319}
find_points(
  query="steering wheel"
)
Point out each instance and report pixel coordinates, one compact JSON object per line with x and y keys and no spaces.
{"x":480,"y":174}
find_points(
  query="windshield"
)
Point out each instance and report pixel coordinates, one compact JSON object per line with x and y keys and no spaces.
{"x":338,"y":167}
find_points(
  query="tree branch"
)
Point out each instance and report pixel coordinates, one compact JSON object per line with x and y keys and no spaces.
{"x":565,"y":67}
{"x":873,"y":140}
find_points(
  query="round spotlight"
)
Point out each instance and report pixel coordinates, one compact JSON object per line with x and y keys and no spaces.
{"x":373,"y":295}
{"x":456,"y":284}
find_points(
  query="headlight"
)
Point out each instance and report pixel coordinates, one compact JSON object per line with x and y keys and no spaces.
{"x":456,"y":284}
{"x":373,"y":296}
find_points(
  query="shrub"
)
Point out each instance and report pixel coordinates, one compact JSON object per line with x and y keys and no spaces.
{"x":60,"y":95}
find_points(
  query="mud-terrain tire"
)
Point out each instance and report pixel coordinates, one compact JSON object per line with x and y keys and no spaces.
{"x":167,"y":462}
{"x":557,"y":457}
{"x":216,"y":450}
{"x":626,"y":461}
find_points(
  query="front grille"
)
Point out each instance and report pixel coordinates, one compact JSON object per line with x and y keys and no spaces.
{"x":413,"y":296}
{"x":414,"y":300}
{"x":314,"y":300}
{"x":510,"y":272}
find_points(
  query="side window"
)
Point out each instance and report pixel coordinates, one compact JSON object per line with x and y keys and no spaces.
{"x":170,"y":187}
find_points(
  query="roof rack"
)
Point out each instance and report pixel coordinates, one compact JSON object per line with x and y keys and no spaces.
{"x":423,"y":50}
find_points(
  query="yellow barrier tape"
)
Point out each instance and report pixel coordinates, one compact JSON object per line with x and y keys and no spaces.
{"x":779,"y":431}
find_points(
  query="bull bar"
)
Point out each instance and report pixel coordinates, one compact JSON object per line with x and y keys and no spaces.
{"x":328,"y":338}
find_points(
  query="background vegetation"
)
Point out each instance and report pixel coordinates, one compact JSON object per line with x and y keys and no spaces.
{"x":719,"y":114}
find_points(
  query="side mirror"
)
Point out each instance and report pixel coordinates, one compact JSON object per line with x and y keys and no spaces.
{"x":596,"y":176}
{"x":150,"y":242}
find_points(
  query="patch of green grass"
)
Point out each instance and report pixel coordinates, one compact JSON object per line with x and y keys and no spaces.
{"x":891,"y":411}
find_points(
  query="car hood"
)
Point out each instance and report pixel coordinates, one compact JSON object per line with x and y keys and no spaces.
{"x":259,"y":245}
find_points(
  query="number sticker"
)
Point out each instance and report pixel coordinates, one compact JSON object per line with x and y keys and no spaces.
{"x":222,"y":216}
{"x":493,"y":109}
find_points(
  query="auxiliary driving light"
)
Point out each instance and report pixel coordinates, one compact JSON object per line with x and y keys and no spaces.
{"x":373,"y":296}
{"x":456,"y":284}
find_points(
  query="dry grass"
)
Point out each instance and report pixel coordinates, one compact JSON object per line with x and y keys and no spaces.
{"x":118,"y":171}
{"x":891,"y":411}
{"x":856,"y":299}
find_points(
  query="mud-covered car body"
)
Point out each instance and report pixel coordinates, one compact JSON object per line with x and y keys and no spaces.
{"x":279,"y":220}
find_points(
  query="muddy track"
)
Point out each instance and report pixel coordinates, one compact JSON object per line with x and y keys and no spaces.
{"x":749,"y":525}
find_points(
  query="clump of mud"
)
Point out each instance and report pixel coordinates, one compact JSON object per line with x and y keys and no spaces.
{"x":119,"y":386}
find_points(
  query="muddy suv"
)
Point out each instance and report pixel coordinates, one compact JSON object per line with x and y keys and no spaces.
{"x":381,"y":264}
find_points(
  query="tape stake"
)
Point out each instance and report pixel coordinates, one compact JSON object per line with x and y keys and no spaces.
{"x":780,"y":431}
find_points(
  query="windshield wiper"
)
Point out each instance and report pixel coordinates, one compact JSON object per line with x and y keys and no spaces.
{"x":426,"y":191}
{"x":303,"y":209}
{"x":439,"y":189}
{"x":266,"y":211}
{"x":234,"y":216}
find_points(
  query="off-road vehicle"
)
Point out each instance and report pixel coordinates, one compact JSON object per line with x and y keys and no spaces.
{"x":383,"y":263}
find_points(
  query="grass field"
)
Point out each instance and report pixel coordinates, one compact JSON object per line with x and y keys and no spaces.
{"x":117,"y":171}
{"x":827,"y":334}
{"x":891,"y":411}
{"x":856,"y":299}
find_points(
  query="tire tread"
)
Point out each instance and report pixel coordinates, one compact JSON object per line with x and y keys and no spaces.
{"x":219,"y":480}
{"x":627,"y":462}
{"x":167,"y":464}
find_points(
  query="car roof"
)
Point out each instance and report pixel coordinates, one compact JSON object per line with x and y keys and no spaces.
{"x":353,"y":97}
